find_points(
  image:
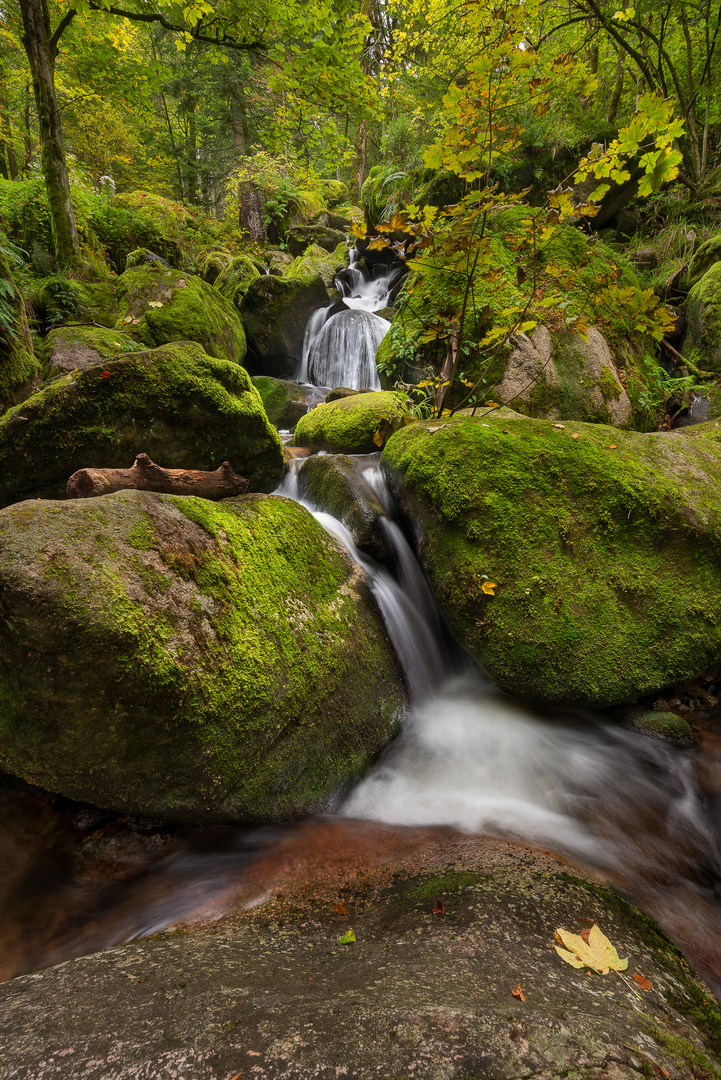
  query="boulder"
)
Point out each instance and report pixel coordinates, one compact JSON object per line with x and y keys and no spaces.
{"x":73,"y":348}
{"x":158,"y":306}
{"x":145,"y":257}
{"x":703,"y":313}
{"x":184,"y":660}
{"x":314,"y":261}
{"x":275,"y":312}
{"x":302,"y":236}
{"x":359,"y":424}
{"x":214,"y":264}
{"x":576,"y":563}
{"x":270,"y":992}
{"x":19,"y":367}
{"x":278,"y":261}
{"x":285,"y":402}
{"x":234,"y":279}
{"x":183,"y":408}
{"x":705,"y":256}
{"x":332,"y":483}
{"x":567,"y":379}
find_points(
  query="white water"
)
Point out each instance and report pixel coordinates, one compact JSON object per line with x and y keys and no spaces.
{"x":340,"y":350}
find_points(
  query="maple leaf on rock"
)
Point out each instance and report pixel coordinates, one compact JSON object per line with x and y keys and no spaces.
{"x":597,"y":953}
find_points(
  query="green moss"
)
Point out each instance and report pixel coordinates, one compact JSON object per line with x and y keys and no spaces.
{"x":703,"y":310}
{"x":237,"y":668}
{"x":19,"y":367}
{"x":350,"y":425}
{"x":609,"y":386}
{"x":234,"y":279}
{"x":607,"y":569}
{"x":159,"y":306}
{"x":177,"y":404}
{"x":313,"y":262}
{"x":705,"y":256}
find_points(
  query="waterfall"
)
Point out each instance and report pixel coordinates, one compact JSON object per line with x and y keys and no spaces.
{"x":344,"y":351}
{"x":340,"y":349}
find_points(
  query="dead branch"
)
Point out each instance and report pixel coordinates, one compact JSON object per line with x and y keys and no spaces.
{"x":145,"y":475}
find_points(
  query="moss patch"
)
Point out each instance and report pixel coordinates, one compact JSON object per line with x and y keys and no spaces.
{"x":159,"y":306}
{"x":703,"y":311}
{"x":350,"y":425}
{"x":177,"y":404}
{"x":605,"y":561}
{"x":217,"y":661}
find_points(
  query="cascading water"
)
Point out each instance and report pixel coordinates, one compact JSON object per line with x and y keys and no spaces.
{"x":339,"y":349}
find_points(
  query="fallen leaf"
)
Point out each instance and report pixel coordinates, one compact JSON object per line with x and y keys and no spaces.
{"x":128,"y":318}
{"x":348,"y":938}
{"x":597,"y":953}
{"x":155,"y":303}
{"x":488,"y":588}
{"x":612,"y":446}
{"x":642,"y":982}
{"x":575,"y":435}
{"x":561,"y":426}
{"x":504,"y":430}
{"x":341,"y":909}
{"x":518,"y":993}
{"x":440,"y":908}
{"x":378,"y":438}
{"x":106,"y":374}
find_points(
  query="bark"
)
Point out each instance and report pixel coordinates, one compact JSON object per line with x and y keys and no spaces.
{"x":145,"y":475}
{"x":617,"y":89}
{"x":251,"y":209}
{"x":41,"y":50}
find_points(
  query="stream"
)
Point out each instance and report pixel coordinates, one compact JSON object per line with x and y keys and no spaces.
{"x":639,"y":813}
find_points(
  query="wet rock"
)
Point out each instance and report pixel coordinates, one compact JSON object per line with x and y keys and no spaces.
{"x":272,"y":993}
{"x":577,"y":564}
{"x":570,"y":379}
{"x":159,"y":306}
{"x":359,"y":424}
{"x":285,"y":402}
{"x":145,"y":257}
{"x":189,"y":661}
{"x":183,"y":408}
{"x":275,"y":312}
{"x":301,"y":237}
{"x":332,"y":483}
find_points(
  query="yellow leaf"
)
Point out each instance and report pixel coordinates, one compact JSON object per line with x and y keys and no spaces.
{"x":489,"y":587}
{"x":378,"y":438}
{"x":598,"y":954}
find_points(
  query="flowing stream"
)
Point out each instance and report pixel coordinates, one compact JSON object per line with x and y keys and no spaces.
{"x":637,"y":811}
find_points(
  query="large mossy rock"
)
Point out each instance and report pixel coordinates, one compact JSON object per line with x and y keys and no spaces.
{"x":334,"y":484}
{"x":705,"y":256}
{"x":415,"y":995}
{"x":703,"y":314}
{"x":234,"y":279}
{"x":19,"y":367}
{"x":285,"y":402}
{"x":576,"y":563}
{"x":275,"y":312}
{"x":315,"y":262}
{"x":159,"y":306}
{"x":184,"y":408}
{"x":73,"y":348}
{"x":570,"y":379}
{"x":301,"y":237}
{"x":359,"y":424}
{"x":187,"y":660}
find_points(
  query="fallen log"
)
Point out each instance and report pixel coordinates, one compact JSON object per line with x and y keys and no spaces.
{"x":145,"y":475}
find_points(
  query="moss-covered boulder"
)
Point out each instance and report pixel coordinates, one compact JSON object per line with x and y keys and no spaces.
{"x":182,"y":407}
{"x":275,"y":312}
{"x":568,"y":379}
{"x":301,"y":237}
{"x":576,"y":563}
{"x":705,"y":256}
{"x":71,"y":348}
{"x":158,"y":306}
{"x":285,"y":402}
{"x":145,"y":257}
{"x":214,"y":264}
{"x":332,"y":483}
{"x":187,"y":660}
{"x":360,"y":424}
{"x":234,"y":279}
{"x":703,"y":314}
{"x":315,"y":261}
{"x":19,"y":367}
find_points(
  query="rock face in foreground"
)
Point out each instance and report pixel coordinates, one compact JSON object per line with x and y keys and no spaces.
{"x":272,"y":993}
{"x":275,"y":312}
{"x":180,"y":406}
{"x":187,"y":660}
{"x":603,"y":547}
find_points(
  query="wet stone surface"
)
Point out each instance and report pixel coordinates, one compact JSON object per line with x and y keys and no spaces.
{"x":272,"y":993}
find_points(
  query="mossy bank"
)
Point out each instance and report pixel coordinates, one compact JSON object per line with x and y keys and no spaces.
{"x":188,"y":660}
{"x":576,"y":563}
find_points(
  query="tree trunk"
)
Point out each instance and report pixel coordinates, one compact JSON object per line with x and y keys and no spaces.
{"x":251,"y":208}
{"x":41,"y":52}
{"x":617,"y":89}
